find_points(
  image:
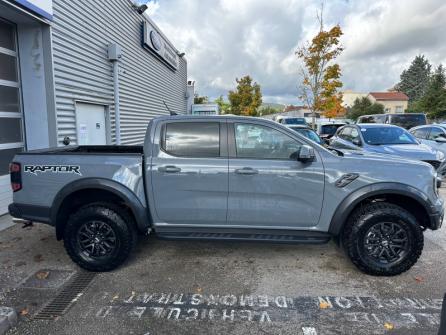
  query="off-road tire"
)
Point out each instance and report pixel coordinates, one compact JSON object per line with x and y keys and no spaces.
{"x":362,"y":219}
{"x":120,"y":223}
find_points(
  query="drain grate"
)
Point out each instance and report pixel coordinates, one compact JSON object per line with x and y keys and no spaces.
{"x":69,"y":294}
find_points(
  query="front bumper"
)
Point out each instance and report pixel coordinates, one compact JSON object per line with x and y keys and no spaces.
{"x":436,"y":215}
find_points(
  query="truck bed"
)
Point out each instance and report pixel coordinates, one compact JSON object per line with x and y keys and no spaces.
{"x":45,"y":173}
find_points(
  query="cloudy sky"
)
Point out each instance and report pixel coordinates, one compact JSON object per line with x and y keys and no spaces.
{"x":225,"y":39}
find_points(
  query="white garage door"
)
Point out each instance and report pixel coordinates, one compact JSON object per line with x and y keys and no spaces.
{"x":11,"y":137}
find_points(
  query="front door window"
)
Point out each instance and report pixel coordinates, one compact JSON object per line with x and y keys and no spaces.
{"x":259,"y":142}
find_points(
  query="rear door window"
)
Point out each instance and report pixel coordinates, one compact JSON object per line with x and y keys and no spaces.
{"x":380,"y":118}
{"x":408,"y":120}
{"x":435,"y":133}
{"x":366,"y":119}
{"x":345,"y":133}
{"x":354,"y":135}
{"x":192,"y":139}
{"x":421,"y":132}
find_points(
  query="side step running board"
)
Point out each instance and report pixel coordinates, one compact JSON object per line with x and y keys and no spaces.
{"x":302,"y":237}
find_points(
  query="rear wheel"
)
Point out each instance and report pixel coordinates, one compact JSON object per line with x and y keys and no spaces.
{"x":383,"y":239}
{"x":99,"y":237}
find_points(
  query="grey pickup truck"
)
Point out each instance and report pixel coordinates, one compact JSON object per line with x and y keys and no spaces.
{"x":233,"y":179}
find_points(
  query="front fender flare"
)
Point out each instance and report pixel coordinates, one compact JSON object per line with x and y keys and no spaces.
{"x":140,"y":212}
{"x":347,"y":205}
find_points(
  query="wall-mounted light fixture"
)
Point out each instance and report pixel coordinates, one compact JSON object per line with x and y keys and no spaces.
{"x":139,"y":6}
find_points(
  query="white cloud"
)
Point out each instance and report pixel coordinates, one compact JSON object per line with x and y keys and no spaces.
{"x":152,"y":7}
{"x":226,"y":39}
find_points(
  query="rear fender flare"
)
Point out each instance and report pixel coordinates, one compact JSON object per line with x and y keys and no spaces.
{"x":140,"y":212}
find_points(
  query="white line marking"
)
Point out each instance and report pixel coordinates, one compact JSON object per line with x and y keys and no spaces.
{"x":309,"y":330}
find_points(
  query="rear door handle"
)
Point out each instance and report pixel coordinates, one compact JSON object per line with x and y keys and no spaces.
{"x":246,"y":171}
{"x":169,"y":169}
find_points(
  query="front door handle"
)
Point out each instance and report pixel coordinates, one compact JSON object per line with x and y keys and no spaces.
{"x":169,"y":169}
{"x":246,"y":171}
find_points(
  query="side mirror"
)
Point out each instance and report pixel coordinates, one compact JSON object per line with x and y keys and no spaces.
{"x":306,"y":154}
{"x":440,"y":139}
{"x":357,"y":142}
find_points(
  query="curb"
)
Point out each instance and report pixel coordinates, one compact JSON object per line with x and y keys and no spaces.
{"x":8,"y":319}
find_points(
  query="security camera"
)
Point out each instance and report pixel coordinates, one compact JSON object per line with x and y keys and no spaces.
{"x":181,"y":55}
{"x":141,"y":9}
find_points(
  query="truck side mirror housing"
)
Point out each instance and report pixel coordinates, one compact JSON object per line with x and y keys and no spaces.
{"x":357,"y":142}
{"x":306,"y":154}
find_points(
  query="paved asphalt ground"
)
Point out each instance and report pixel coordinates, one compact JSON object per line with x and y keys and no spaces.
{"x":170,"y":287}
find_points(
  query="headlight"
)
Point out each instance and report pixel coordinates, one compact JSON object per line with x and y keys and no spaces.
{"x":440,"y":156}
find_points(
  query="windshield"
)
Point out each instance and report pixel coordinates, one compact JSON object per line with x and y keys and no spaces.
{"x":308,"y":133}
{"x":329,"y":129}
{"x":387,"y":135}
{"x":408,"y":120}
{"x":294,"y":120}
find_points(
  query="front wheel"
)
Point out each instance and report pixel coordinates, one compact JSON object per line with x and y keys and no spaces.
{"x":383,"y":239}
{"x":99,"y":238}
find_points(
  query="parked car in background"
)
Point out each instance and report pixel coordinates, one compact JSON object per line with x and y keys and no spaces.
{"x":308,"y":132}
{"x":326,"y":130}
{"x":290,"y":120}
{"x":432,"y":135}
{"x":387,"y":139}
{"x":407,"y":121}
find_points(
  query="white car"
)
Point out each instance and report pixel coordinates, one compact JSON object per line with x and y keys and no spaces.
{"x":290,"y":120}
{"x":433,"y":135}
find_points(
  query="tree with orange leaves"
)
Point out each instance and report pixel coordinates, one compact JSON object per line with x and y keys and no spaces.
{"x":321,"y":77}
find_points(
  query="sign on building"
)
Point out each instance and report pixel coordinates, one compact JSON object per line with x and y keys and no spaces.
{"x":154,"y":41}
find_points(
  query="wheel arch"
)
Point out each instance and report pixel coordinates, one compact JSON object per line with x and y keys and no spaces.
{"x":89,"y":190}
{"x":403,"y":195}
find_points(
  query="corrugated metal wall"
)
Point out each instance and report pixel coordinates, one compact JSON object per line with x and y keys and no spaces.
{"x":82,"y":30}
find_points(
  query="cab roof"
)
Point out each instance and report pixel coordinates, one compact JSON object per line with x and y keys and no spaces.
{"x":376,"y":125}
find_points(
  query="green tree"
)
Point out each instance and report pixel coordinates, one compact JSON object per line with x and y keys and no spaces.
{"x":363,"y":106}
{"x":415,"y":80}
{"x":247,"y":97}
{"x":223,"y":106}
{"x":200,"y":99}
{"x":433,"y":102}
{"x":321,"y":76}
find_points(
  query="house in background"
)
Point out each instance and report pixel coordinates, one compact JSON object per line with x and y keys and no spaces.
{"x":394,"y":102}
{"x":204,"y":109}
{"x":349,"y":97}
{"x":298,"y":111}
{"x":292,"y":111}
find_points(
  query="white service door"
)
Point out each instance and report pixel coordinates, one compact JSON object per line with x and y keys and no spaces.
{"x":90,"y":122}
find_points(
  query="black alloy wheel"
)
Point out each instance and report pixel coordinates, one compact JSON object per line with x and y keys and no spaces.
{"x":386,"y":242}
{"x":99,"y":237}
{"x":96,"y":239}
